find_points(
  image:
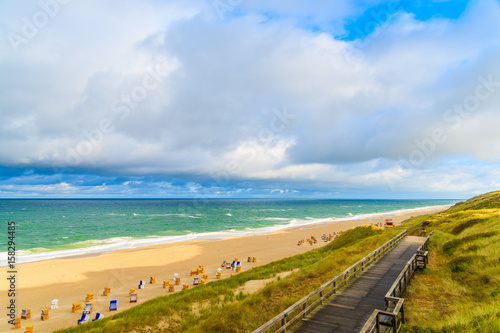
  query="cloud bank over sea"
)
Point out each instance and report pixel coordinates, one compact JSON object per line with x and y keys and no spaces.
{"x":249,"y":99}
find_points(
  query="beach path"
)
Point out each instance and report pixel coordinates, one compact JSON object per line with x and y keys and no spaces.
{"x":350,"y":308}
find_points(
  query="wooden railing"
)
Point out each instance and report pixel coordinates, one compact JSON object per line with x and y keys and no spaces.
{"x":301,"y":308}
{"x":393,"y":317}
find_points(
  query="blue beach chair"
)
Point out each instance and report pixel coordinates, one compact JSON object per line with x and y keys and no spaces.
{"x":98,"y":316}
{"x":112,"y":305}
{"x":141,"y":284}
{"x":85,"y":317}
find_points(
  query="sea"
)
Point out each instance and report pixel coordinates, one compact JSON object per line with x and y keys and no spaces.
{"x":57,"y":228}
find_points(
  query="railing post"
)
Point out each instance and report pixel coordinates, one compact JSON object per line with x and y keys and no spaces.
{"x":304,"y":306}
{"x":321,"y":296}
{"x":334,"y":287}
{"x":408,"y":272}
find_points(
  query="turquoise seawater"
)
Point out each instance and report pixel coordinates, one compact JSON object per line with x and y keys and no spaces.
{"x":55,"y":228}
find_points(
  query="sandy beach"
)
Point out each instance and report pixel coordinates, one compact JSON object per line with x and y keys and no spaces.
{"x":70,"y":279}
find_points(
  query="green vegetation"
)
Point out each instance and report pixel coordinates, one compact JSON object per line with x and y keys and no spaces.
{"x":218,"y":306}
{"x":460,"y":289}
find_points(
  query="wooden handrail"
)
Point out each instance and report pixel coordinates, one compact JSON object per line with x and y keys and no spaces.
{"x":351,"y":272}
{"x":373,"y":323}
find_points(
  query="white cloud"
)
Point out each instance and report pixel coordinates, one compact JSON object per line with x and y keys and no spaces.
{"x":356,"y":111}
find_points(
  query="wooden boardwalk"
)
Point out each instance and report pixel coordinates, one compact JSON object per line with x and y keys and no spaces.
{"x":350,"y":308}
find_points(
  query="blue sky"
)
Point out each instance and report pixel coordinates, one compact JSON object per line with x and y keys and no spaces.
{"x":280,"y":99}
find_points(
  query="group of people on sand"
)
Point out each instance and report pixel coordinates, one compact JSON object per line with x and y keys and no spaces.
{"x":326,"y":238}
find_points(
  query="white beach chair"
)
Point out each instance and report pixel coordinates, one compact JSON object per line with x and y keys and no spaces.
{"x":133,"y":298}
{"x":141,"y":284}
{"x":85,"y":318}
{"x":55,"y":303}
{"x":88,"y":308}
{"x":113,"y":306}
{"x":98,"y":316}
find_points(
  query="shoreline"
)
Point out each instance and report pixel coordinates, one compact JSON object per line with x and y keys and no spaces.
{"x":69,"y":279}
{"x":123,"y":244}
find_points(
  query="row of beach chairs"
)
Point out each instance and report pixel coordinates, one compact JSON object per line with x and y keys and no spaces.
{"x":235,"y":265}
{"x":312,"y":240}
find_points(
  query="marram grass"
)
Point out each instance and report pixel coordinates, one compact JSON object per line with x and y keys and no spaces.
{"x":460,"y":290}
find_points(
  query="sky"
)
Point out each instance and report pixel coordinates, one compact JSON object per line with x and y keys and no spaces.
{"x":249,"y":99}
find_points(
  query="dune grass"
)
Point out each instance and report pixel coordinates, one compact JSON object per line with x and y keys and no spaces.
{"x":460,"y":290}
{"x":215,"y":307}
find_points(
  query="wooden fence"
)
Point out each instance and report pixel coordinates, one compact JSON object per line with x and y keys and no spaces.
{"x":391,"y":319}
{"x":301,"y":308}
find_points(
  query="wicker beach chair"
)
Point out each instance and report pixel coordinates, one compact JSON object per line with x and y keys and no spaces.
{"x":76,"y":307}
{"x":45,"y":314}
{"x":26,"y":314}
{"x":113,"y":305}
{"x":88,"y":307}
{"x":89,"y":297}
